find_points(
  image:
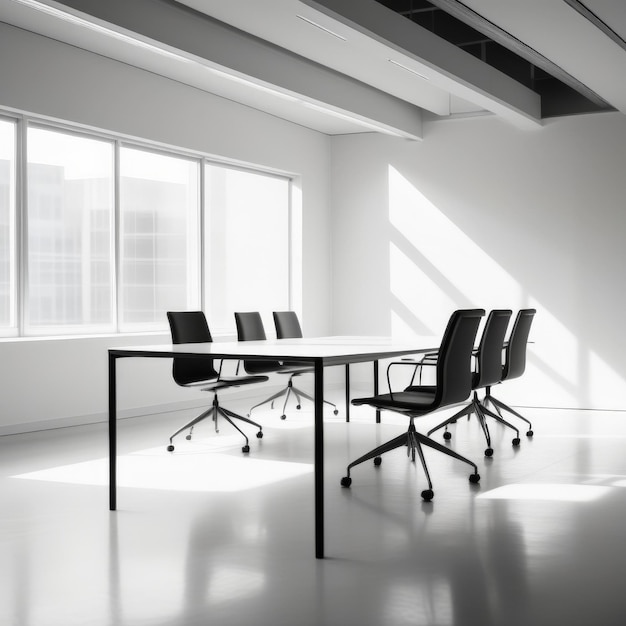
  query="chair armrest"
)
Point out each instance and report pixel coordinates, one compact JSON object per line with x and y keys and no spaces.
{"x":415,"y":364}
{"x":220,"y":368}
{"x":429,"y":358}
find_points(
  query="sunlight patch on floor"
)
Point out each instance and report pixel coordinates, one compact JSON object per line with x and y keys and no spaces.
{"x":194,"y":469}
{"x":546,"y":492}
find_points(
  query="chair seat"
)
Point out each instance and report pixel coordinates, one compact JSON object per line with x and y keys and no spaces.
{"x":427,"y":389}
{"x":414,"y":401}
{"x":225,"y":382}
{"x":296,"y":368}
{"x":272,"y":367}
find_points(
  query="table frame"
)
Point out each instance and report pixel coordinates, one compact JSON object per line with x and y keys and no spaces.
{"x":320,"y":352}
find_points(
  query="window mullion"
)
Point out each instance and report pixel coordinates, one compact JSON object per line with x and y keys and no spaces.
{"x":21,"y":226}
{"x":116,"y":287}
{"x":55,"y":262}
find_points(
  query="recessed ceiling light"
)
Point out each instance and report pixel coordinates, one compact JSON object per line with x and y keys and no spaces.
{"x":408,"y":69}
{"x":326,"y":30}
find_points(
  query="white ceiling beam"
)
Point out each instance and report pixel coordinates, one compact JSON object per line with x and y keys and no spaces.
{"x":445,"y":65}
{"x":178,"y":28}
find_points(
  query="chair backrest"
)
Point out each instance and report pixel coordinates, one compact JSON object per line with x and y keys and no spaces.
{"x":454,"y":364}
{"x":489,"y":357}
{"x":515,"y":352}
{"x":190,"y":327}
{"x":250,"y":328}
{"x":287,"y":325}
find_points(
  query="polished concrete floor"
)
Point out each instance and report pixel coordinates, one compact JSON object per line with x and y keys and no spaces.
{"x":207,"y":535}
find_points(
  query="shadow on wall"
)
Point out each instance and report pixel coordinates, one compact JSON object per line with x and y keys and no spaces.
{"x":435,"y":267}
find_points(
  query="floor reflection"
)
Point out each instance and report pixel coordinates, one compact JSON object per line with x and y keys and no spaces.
{"x":230,"y":540}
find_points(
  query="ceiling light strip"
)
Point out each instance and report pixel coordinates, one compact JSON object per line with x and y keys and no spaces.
{"x":408,"y":69}
{"x":99,"y":28}
{"x":128,"y":38}
{"x":381,"y":128}
{"x":326,"y":30}
{"x":249,"y":82}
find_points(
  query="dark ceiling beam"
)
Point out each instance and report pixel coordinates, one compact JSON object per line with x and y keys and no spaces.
{"x":497,"y":34}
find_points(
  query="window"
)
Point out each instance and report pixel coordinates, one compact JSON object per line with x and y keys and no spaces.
{"x":247,"y":254}
{"x":8,"y":323}
{"x":159,"y":237}
{"x":101,"y":235}
{"x":70,"y":210}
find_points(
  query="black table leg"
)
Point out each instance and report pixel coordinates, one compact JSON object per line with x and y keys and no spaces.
{"x":347,"y":392}
{"x":319,"y":459}
{"x":376,"y":389}
{"x":112,"y":434}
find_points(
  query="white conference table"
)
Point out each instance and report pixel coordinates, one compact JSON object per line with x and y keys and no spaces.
{"x":321,"y":352}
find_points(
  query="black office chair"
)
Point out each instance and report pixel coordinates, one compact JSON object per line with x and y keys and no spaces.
{"x":488,"y":371}
{"x":453,"y":386}
{"x":288,"y":327}
{"x":250,"y":328}
{"x":199,"y":373}
{"x":514,"y":362}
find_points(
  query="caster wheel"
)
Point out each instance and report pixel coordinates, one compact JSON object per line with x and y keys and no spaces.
{"x":516,"y":442}
{"x":447,"y":436}
{"x":245,"y":449}
{"x":489,"y":452}
{"x":298,"y":407}
{"x":427,"y":495}
{"x":188,"y":437}
{"x":530,"y":433}
{"x":377,"y":461}
{"x":346,"y":481}
{"x":170,"y":448}
{"x":283,"y":417}
{"x":335,"y":412}
{"x":259,"y":435}
{"x":474,"y":478}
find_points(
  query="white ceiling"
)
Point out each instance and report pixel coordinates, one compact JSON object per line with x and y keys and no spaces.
{"x":349,"y":81}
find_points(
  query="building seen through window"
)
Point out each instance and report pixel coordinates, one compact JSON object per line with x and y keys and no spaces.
{"x":113,"y":237}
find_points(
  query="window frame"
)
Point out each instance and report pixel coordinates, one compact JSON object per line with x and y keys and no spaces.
{"x":13,"y":328}
{"x":21,"y":328}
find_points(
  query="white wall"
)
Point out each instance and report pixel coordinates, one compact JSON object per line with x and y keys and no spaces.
{"x":483,"y":214}
{"x":53,"y":381}
{"x":477,"y":214}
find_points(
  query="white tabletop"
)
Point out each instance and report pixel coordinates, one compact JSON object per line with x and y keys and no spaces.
{"x":328,"y":349}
